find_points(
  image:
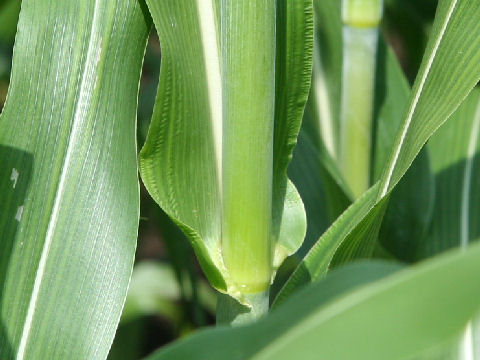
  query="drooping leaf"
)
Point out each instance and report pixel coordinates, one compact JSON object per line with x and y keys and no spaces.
{"x":451,"y":61}
{"x":180,"y":160}
{"x":391,"y":318}
{"x":69,"y":185}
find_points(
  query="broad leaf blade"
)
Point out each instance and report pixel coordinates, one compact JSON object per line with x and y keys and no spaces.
{"x":69,"y":185}
{"x":317,"y":323}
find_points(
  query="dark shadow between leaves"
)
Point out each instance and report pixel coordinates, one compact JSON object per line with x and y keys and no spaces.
{"x":445,"y":232}
{"x":17,"y":166}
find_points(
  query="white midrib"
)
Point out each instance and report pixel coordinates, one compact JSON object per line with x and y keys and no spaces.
{"x":86,"y":87}
{"x":209,"y":34}
{"x":467,"y":352}
{"x":411,"y":111}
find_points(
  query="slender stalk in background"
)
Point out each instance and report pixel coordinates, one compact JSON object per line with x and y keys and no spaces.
{"x":320,"y":94}
{"x":360,"y":37}
{"x":248,"y":71}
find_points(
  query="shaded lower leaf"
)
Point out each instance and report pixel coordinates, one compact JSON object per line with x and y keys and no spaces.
{"x":391,"y":318}
{"x":455,"y":154}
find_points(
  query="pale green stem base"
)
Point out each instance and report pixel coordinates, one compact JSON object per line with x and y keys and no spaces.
{"x":230,"y":311}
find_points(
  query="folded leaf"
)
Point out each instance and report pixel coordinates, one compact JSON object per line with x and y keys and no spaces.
{"x":181,"y":161}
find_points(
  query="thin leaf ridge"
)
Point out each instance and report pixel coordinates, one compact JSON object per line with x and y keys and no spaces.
{"x":386,"y":181}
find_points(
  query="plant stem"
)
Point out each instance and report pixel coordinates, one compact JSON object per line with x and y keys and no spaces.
{"x":360,"y":38}
{"x":248,"y":72}
{"x":230,"y":311}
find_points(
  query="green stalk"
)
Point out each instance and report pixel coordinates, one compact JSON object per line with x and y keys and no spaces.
{"x":248,"y":72}
{"x":360,"y":38}
{"x":230,"y":311}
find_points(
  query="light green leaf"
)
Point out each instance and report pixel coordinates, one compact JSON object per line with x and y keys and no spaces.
{"x":69,"y":185}
{"x":182,"y":156}
{"x":391,"y":318}
{"x":451,"y":62}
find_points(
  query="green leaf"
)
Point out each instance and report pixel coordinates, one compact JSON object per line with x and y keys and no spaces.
{"x":320,"y":185}
{"x":391,"y":90}
{"x":313,"y":169}
{"x":315,"y":173}
{"x":319,"y":321}
{"x":451,"y":62}
{"x":454,"y":150}
{"x":181,"y":159}
{"x":457,"y":173}
{"x":69,"y":185}
{"x":454,"y":32}
{"x":409,"y":211}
